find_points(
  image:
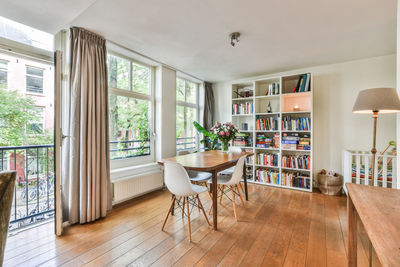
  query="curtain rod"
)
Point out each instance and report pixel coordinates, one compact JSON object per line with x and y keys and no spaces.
{"x":149,"y":58}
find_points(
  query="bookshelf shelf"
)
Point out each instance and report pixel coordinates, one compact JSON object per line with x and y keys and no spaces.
{"x":290,"y":98}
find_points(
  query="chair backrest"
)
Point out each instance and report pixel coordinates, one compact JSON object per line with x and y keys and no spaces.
{"x":235,"y":149}
{"x":237,"y":171}
{"x":177,"y":179}
{"x":183,"y":152}
{"x":7,"y":182}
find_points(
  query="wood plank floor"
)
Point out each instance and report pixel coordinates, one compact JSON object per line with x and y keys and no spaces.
{"x":278,"y":227}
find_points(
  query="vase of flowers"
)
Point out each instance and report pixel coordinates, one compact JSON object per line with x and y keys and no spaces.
{"x":225,"y":132}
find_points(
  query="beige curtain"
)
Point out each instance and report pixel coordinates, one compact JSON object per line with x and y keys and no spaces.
{"x":87,"y":188}
{"x":208,"y":115}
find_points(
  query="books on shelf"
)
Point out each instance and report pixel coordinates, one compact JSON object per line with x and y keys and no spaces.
{"x":273,"y":89}
{"x":267,"y":176}
{"x":263,"y":141}
{"x":250,"y":160}
{"x":296,"y":162}
{"x":242,"y":140}
{"x":242,"y":108}
{"x":303,"y":84}
{"x":267,"y":159}
{"x":267,"y":124}
{"x":295,"y":180}
{"x":304,"y":143}
{"x":292,"y":141}
{"x":290,"y":123}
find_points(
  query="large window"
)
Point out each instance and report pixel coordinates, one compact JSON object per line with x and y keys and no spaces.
{"x":34,"y":80}
{"x":3,"y":74}
{"x":130,"y":108}
{"x":36,"y":126}
{"x":186,"y":113}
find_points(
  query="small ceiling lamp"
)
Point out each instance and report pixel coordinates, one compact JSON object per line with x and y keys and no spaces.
{"x":234,"y":38}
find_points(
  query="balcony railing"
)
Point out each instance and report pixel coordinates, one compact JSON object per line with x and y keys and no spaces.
{"x":129,"y":149}
{"x":185,"y":143}
{"x":34,"y":187}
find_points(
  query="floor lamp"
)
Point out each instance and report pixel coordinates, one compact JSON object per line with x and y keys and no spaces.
{"x":376,"y":101}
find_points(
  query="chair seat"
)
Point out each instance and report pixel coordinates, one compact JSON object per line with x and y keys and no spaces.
{"x":199,"y":176}
{"x":199,"y":189}
{"x":222,"y":179}
{"x":227,"y":171}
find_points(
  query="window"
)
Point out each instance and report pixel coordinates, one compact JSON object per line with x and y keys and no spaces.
{"x":34,"y":80}
{"x":186,"y":112}
{"x":130,"y":109}
{"x":36,"y":126}
{"x":3,"y":74}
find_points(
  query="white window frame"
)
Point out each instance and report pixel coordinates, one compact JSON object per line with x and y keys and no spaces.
{"x":34,"y":76}
{"x":196,"y":106}
{"x":126,"y":162}
{"x":5,"y":70}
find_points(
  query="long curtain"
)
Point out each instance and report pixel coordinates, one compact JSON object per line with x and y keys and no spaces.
{"x":86,"y":184}
{"x":208,"y":117}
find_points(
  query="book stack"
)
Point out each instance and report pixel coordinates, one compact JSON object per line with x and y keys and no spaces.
{"x":265,"y":159}
{"x":295,"y":180}
{"x":267,"y":176}
{"x":273,"y":89}
{"x":303,"y":84}
{"x":267,"y":124}
{"x":296,"y":124}
{"x":304,"y":143}
{"x":290,"y":141}
{"x":242,"y":140}
{"x":263,"y":141}
{"x":242,"y":108}
{"x":296,"y":162}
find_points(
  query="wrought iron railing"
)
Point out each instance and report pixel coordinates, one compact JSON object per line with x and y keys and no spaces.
{"x":129,"y":149}
{"x":185,"y":143}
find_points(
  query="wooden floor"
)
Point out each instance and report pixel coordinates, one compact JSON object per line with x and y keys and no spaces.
{"x":278,"y":227}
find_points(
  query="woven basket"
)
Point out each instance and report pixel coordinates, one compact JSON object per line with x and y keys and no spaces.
{"x":330,"y":185}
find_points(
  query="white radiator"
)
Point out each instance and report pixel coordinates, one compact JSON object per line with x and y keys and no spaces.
{"x":127,"y":188}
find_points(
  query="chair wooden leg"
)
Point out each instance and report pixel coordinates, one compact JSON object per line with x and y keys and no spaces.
{"x":169,"y":211}
{"x":201,"y":207}
{"x":241,"y":187}
{"x":234,"y":203}
{"x":188,"y":215}
{"x":222,"y":193}
{"x":211,"y":207}
{"x":183,"y":208}
{"x":240,"y":195}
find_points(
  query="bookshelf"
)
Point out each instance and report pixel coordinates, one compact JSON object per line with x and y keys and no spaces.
{"x":269,"y":113}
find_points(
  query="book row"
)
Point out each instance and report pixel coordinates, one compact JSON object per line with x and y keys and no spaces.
{"x":267,"y":176}
{"x":296,"y":124}
{"x":243,"y":108}
{"x":296,"y":162}
{"x":263,"y":141}
{"x":267,"y":159}
{"x":295,"y":180}
{"x":267,"y":124}
{"x":303,"y":84}
{"x":273,"y":89}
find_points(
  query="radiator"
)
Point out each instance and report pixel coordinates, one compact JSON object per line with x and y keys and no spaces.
{"x":125,"y":189}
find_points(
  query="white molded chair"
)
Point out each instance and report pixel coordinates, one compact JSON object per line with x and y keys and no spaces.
{"x":232,"y":182}
{"x":177,"y":181}
{"x":229,"y":171}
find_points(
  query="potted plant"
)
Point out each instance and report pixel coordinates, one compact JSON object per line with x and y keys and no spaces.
{"x":225,"y":132}
{"x":210,"y":140}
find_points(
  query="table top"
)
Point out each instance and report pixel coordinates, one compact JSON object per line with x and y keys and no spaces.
{"x":379,"y":211}
{"x":207,"y":161}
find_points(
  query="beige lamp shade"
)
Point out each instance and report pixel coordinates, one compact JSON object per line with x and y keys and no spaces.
{"x":382,"y":100}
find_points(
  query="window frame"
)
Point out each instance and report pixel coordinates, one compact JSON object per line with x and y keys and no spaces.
{"x":196,"y":106}
{"x":34,"y":76}
{"x":126,"y":162}
{"x":5,"y":70}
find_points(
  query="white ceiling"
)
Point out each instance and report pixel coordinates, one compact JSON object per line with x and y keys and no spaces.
{"x":192,"y":35}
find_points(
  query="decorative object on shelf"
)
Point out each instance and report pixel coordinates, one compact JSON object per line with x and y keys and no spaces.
{"x":374,"y":101}
{"x":330,"y":183}
{"x":234,"y":38}
{"x":245,"y":126}
{"x":225,"y":132}
{"x":210,"y":140}
{"x":296,"y":108}
{"x":269,"y":109}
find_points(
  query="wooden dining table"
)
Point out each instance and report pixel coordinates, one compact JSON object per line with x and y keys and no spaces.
{"x":213,"y":162}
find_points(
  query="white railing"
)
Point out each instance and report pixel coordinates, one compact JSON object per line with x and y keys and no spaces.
{"x":357,"y":169}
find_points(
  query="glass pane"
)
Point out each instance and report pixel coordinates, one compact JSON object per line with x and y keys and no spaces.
{"x":118,"y":72}
{"x":180,"y":127}
{"x":34,"y":71}
{"x":3,"y":79}
{"x":34,"y":84}
{"x":190,"y":92}
{"x":185,"y":131}
{"x":180,"y":90}
{"x":190,"y":130}
{"x":141,"y":76}
{"x":3,"y":65}
{"x":129,"y":127}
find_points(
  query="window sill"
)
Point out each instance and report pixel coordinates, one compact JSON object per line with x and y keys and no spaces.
{"x":127,"y":172}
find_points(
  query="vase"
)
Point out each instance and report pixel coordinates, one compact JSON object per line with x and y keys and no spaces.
{"x":225,"y":146}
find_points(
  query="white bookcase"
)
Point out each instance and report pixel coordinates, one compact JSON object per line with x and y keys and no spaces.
{"x":283,"y":104}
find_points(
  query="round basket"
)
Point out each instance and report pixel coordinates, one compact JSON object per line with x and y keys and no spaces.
{"x":330,"y":185}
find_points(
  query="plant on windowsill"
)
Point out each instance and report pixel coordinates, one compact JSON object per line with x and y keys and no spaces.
{"x":210,"y":140}
{"x":225,"y":132}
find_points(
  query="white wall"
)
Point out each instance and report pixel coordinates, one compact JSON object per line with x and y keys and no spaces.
{"x":335,"y":89}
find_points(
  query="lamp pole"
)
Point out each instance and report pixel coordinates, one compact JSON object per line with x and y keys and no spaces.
{"x":373,"y":150}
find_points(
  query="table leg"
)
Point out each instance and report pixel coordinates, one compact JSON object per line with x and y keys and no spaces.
{"x":214,"y":198}
{"x":245,"y":181}
{"x":351,"y":233}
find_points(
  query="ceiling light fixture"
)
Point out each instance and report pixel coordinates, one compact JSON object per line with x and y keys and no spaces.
{"x":234,"y":38}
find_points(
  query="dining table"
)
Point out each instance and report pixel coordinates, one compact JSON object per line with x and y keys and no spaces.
{"x":213,"y":161}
